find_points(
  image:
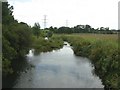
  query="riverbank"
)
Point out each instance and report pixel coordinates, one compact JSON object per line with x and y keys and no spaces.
{"x":103,"y":52}
{"x":20,"y":64}
{"x":58,"y":69}
{"x":44,"y":45}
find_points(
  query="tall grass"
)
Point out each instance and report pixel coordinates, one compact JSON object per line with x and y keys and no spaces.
{"x":103,"y":52}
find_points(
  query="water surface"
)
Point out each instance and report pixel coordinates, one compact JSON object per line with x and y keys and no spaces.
{"x":58,"y":69}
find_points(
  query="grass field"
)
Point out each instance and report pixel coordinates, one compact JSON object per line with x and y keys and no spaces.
{"x":93,"y":37}
{"x":102,"y":50}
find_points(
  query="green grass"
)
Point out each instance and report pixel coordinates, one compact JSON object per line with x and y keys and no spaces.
{"x":102,"y":50}
{"x":42,"y":45}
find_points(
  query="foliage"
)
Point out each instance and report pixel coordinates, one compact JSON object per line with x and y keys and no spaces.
{"x":36,"y":29}
{"x":82,"y":29}
{"x":103,"y":53}
{"x":16,"y":39}
{"x":49,"y":34}
{"x":42,"y":45}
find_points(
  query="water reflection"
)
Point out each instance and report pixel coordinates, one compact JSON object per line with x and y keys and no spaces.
{"x":59,"y":69}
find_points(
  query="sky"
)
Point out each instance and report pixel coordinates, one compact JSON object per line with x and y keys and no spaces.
{"x":97,"y":13}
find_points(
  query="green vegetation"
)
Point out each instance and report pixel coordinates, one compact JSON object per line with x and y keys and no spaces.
{"x":16,"y":39}
{"x":36,"y":29}
{"x":19,"y":38}
{"x":103,"y":52}
{"x":42,"y":45}
{"x":82,"y":29}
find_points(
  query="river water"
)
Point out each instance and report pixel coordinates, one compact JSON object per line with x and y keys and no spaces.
{"x":58,"y":69}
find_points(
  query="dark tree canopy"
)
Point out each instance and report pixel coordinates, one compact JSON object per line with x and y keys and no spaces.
{"x":36,"y":29}
{"x":16,"y":39}
{"x":82,"y":29}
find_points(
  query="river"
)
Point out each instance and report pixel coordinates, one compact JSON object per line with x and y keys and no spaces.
{"x":58,"y":69}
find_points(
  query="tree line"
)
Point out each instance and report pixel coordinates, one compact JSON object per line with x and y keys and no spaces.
{"x":82,"y":29}
{"x":17,"y":36}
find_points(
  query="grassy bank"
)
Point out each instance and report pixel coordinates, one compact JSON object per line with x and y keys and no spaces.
{"x":42,"y":45}
{"x":103,"y":52}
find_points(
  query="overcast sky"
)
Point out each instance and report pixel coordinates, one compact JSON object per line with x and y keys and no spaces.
{"x":96,"y":13}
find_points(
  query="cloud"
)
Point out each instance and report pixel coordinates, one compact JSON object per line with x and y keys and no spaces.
{"x":19,"y":1}
{"x":96,"y":13}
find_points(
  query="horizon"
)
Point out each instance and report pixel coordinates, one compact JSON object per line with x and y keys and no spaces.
{"x":67,"y":13}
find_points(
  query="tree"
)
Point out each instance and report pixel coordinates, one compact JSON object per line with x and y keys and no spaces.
{"x":7,"y":16}
{"x":16,"y":40}
{"x":88,"y":28}
{"x":36,"y":29}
